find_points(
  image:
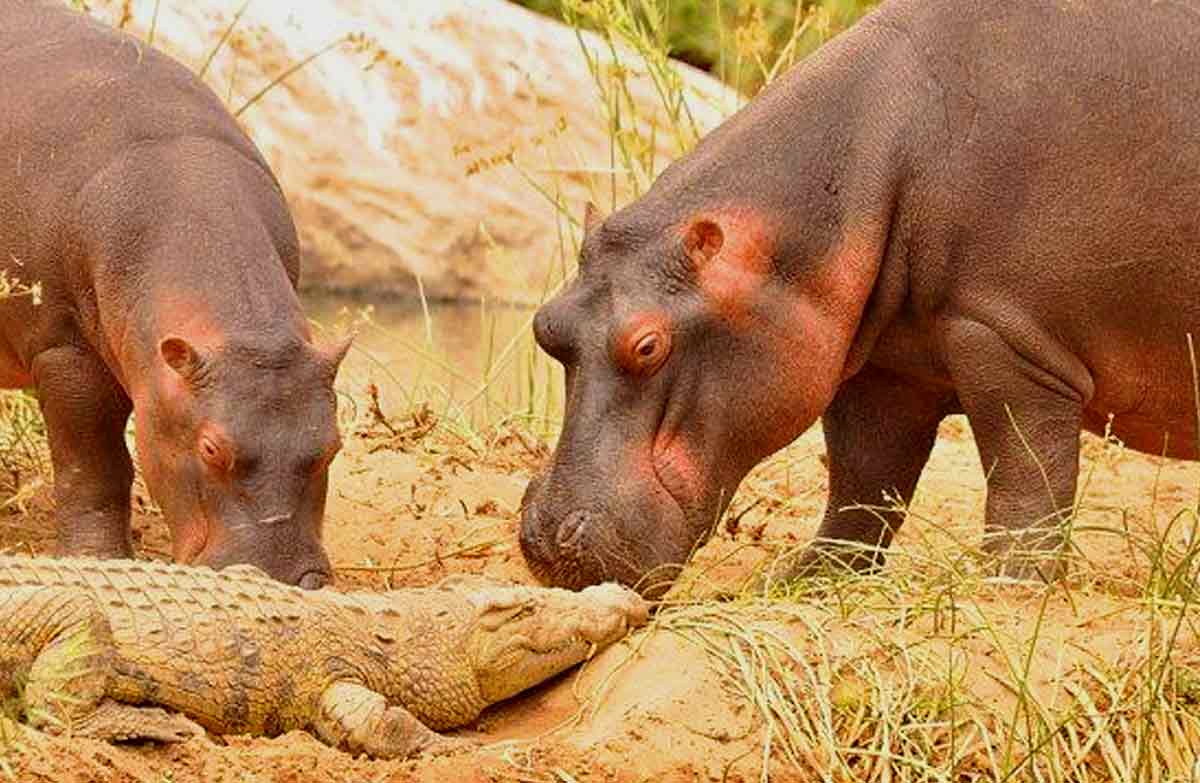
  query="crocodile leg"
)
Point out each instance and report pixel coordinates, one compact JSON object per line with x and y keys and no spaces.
{"x":359,"y":720}
{"x":59,"y":647}
{"x":113,"y":721}
{"x":64,"y":639}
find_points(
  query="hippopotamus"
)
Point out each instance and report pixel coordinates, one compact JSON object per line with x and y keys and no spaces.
{"x":955,"y":207}
{"x":168,"y":263}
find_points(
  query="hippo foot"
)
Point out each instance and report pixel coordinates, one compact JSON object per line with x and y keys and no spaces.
{"x":827,"y":559}
{"x":1026,"y":556}
{"x":1028,"y":567}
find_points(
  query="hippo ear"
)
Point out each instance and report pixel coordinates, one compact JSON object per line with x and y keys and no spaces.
{"x":180,"y":356}
{"x":592,"y":218}
{"x":702,"y":240}
{"x":336,"y":351}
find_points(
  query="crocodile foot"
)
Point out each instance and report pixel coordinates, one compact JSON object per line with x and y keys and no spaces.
{"x":116,"y":722}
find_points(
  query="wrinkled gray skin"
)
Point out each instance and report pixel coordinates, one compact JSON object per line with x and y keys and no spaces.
{"x":955,"y":207}
{"x":168,"y":261}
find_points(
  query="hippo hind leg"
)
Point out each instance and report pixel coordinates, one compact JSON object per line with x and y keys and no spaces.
{"x":86,"y":411}
{"x":1027,"y":421}
{"x":879,"y":431}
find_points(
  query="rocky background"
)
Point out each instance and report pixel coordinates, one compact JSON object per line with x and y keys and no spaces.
{"x":426,"y":144}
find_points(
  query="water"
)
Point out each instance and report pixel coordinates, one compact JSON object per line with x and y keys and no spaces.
{"x":471,"y":363}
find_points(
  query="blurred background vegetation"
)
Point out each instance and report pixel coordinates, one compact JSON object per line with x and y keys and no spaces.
{"x":743,"y":42}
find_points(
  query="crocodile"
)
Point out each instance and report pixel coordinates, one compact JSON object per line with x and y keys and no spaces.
{"x":129,"y":650}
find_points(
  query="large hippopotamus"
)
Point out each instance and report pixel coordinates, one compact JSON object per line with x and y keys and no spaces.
{"x":168,"y":263}
{"x":958,"y":206}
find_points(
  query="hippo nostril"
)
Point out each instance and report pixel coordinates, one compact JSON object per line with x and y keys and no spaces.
{"x":571,"y":530}
{"x":314,"y":580}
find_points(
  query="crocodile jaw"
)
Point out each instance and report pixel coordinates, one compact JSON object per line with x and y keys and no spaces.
{"x":523,"y":636}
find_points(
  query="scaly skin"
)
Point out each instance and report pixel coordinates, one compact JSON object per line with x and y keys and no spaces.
{"x":88,"y":646}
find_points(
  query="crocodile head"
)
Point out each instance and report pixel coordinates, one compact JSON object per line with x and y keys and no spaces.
{"x":469,"y":642}
{"x":524,"y":635}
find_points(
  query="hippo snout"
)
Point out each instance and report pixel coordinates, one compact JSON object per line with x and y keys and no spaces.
{"x":534,"y":543}
{"x":586,"y":546}
{"x":306,"y":567}
{"x":571,"y":533}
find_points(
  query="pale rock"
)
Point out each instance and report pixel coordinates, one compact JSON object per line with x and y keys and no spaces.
{"x":401,"y":170}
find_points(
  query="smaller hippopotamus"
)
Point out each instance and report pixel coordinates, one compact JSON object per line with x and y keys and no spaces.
{"x":958,"y":206}
{"x":168,"y":263}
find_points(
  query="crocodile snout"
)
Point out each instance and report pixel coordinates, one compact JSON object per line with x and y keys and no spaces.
{"x":618,"y":609}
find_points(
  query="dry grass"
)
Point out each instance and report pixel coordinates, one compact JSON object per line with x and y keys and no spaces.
{"x":934,"y":671}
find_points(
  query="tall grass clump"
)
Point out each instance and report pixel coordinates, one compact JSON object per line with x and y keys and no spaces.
{"x":935,"y":672}
{"x":742,"y":42}
{"x":627,"y":41}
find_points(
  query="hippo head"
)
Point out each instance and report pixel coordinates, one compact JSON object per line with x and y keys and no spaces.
{"x":235,"y":442}
{"x":689,"y":357}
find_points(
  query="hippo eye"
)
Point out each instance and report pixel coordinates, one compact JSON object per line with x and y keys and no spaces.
{"x":645,"y":350}
{"x":212,"y":453}
{"x":648,"y":347}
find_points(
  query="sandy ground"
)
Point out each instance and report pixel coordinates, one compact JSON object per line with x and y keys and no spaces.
{"x":411,"y":508}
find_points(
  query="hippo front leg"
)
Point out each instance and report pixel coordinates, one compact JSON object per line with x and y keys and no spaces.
{"x":879,"y":431}
{"x":1026,"y":418}
{"x":86,"y":411}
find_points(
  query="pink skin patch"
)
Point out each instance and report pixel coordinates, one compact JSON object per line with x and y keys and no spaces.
{"x":794,"y":341}
{"x":731,"y":249}
{"x":162,"y":391}
{"x":803,"y":331}
{"x":810,"y":331}
{"x":671,"y":455}
{"x":180,"y":315}
{"x":666,"y":463}
{"x":190,"y":541}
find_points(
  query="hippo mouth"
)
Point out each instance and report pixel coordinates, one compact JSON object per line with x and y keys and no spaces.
{"x":590,"y":545}
{"x":191,"y":541}
{"x":196,"y":545}
{"x":314,"y":580}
